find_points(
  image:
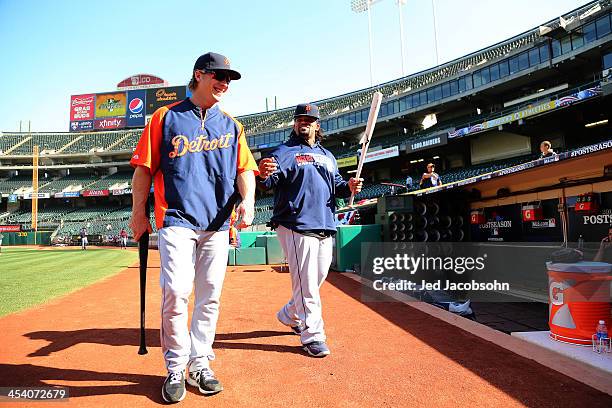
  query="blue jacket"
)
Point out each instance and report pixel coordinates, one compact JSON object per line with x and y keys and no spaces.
{"x":306,"y":185}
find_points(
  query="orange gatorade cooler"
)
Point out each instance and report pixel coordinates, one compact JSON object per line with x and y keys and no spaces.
{"x":578,"y":297}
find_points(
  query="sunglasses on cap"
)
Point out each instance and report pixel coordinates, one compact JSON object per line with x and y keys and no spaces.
{"x":219,"y":75}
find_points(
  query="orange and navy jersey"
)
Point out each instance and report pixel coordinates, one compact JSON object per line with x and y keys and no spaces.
{"x":194,"y":156}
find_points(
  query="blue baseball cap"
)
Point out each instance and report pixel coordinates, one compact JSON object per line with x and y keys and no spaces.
{"x":307,"y":109}
{"x":211,"y":61}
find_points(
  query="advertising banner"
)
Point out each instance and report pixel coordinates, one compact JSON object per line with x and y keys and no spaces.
{"x":67,"y":194}
{"x":347,"y":162}
{"x":82,"y":107}
{"x":136,"y":108}
{"x":156,"y":98}
{"x":140,"y":81}
{"x":122,"y":191}
{"x":579,"y":96}
{"x":110,"y":123}
{"x":12,"y":198}
{"x":592,"y":226}
{"x":523,"y":113}
{"x":426,"y":143}
{"x":382,"y":154}
{"x":109,"y":105}
{"x":29,"y":196}
{"x":527,"y":112}
{"x":95,"y":193}
{"x":502,"y":223}
{"x":81,"y":125}
{"x":10,"y":228}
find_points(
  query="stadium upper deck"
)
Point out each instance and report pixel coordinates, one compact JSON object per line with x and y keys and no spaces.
{"x":525,"y":55}
{"x":504,"y":61}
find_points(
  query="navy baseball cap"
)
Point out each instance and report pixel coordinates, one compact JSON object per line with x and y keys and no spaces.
{"x":212,"y":61}
{"x":307,"y":109}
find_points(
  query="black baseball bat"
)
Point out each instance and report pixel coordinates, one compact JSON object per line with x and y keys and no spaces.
{"x":143,"y":256}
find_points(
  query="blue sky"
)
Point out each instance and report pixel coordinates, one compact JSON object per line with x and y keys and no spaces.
{"x":296,"y":51}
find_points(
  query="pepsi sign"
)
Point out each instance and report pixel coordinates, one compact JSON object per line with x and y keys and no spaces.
{"x":81,"y":125}
{"x":135,"y":115}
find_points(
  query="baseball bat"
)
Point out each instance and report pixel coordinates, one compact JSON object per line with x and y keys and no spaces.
{"x":367,"y":136}
{"x":143,"y":256}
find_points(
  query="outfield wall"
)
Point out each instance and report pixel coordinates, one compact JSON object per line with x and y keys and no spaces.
{"x":26,"y":238}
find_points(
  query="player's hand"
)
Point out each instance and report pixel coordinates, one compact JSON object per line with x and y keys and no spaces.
{"x":139,"y":224}
{"x":245,"y":213}
{"x":267,"y":166}
{"x":605,"y":243}
{"x":355,"y":184}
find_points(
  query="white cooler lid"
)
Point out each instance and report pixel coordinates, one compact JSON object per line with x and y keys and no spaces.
{"x":580,"y":267}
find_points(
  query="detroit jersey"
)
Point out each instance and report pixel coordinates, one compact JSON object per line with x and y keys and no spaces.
{"x":194,"y":156}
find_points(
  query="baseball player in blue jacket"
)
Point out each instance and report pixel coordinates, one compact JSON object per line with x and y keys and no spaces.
{"x":306,"y":182}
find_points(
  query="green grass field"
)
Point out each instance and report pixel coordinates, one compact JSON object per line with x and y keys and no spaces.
{"x":30,"y":277}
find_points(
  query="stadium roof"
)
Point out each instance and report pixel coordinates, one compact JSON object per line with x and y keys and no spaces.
{"x":281,"y":118}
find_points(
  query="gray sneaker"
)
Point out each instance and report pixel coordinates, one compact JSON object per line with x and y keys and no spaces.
{"x":205,"y":380}
{"x":174,"y":389}
{"x":317,"y":349}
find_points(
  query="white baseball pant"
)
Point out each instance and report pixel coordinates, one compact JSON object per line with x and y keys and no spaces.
{"x":189,"y":256}
{"x":309,"y":259}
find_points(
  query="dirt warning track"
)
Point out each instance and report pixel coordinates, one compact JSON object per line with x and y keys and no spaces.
{"x":383,"y":354}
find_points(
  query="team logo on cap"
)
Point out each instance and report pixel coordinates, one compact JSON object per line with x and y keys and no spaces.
{"x":307,"y":108}
{"x":226,"y":61}
{"x":136,"y":105}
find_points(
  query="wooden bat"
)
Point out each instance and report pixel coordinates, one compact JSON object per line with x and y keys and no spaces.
{"x":143,"y":255}
{"x":367,"y":136}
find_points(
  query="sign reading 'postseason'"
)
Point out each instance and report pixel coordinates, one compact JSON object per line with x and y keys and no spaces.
{"x":110,"y":123}
{"x":156,"y":98}
{"x":109,"y":105}
{"x":136,"y":108}
{"x":82,"y":107}
{"x":81,"y":125}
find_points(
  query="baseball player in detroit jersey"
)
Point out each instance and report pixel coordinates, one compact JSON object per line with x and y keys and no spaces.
{"x":199,"y":160}
{"x":306,"y":182}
